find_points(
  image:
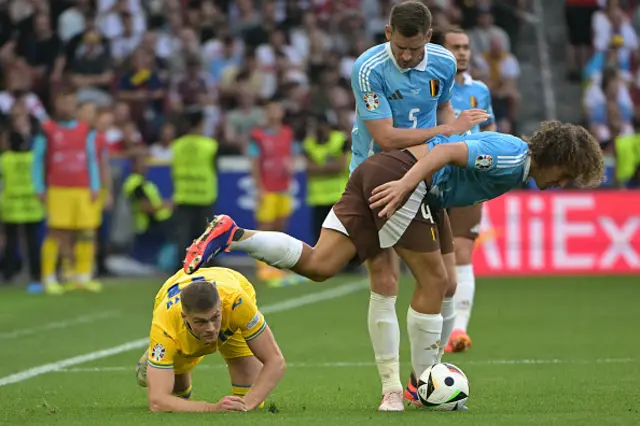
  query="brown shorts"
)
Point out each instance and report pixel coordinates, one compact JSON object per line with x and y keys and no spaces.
{"x":415,"y":226}
{"x":465,"y":221}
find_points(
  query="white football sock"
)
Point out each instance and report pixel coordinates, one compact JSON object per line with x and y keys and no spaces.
{"x":274,"y":248}
{"x":463,"y":299}
{"x":448,"y":318}
{"x":424,"y":337}
{"x":384,"y":331}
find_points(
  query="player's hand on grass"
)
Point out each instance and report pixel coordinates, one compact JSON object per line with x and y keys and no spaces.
{"x":467,"y":119}
{"x":230,"y":404}
{"x":389,"y":197}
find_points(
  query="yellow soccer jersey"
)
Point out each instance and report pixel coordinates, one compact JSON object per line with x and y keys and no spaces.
{"x":173,"y":346}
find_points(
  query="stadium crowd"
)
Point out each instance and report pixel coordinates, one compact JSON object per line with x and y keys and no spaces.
{"x":148,"y":72}
{"x":603,"y":55}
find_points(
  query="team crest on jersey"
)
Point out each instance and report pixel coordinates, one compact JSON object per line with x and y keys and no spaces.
{"x":371,"y":101}
{"x":484,"y":162}
{"x":157,"y":352}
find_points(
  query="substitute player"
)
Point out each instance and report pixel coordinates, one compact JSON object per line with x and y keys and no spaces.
{"x":408,"y":190}
{"x":67,"y":178}
{"x":465,"y":221}
{"x":194,"y":316}
{"x":402,"y":90}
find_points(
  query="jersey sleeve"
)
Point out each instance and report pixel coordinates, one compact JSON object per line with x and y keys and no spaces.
{"x":481,"y":156}
{"x":162,"y":349}
{"x":448,"y":82}
{"x":366,"y":83}
{"x":246,"y":317}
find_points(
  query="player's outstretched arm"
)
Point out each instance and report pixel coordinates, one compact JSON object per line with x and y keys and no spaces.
{"x":391,"y":195}
{"x":160,"y":382}
{"x":265,"y":348}
{"x":389,"y":137}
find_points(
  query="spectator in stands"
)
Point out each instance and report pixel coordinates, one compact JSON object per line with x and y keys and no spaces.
{"x":161,"y":150}
{"x":503,"y":71}
{"x":40,"y":49}
{"x":607,"y":96}
{"x":18,"y":87}
{"x":141,"y":88}
{"x":240,"y":121}
{"x":89,"y":65}
{"x":485,"y":31}
{"x":612,"y":29}
{"x":124,"y":44}
{"x":229,"y":57}
{"x":72,"y":21}
{"x":113,"y":13}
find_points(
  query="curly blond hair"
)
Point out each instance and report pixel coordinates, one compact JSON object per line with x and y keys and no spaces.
{"x":571,"y":147}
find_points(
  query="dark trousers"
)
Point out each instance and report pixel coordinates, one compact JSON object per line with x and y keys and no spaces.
{"x":11,"y":259}
{"x":190,"y":221}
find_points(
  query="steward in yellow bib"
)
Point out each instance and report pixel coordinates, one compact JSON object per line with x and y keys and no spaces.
{"x":20,"y":207}
{"x":327,"y":170}
{"x":628,"y":159}
{"x":195,"y":181}
{"x":150,"y":212}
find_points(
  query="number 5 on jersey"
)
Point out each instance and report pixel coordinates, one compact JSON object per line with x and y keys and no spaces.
{"x":413,"y":118}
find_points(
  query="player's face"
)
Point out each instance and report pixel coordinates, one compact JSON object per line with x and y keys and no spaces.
{"x":205,"y":325}
{"x":553,"y":177}
{"x":458,"y":44}
{"x":407,"y":51}
{"x":66,"y":106}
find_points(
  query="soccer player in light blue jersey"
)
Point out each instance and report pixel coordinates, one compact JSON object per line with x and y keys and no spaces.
{"x":403,"y":91}
{"x":465,"y":221}
{"x":394,"y":196}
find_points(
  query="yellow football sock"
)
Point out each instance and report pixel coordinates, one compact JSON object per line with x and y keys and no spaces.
{"x":185,"y":394}
{"x":50,"y":251}
{"x":240,"y":390}
{"x":85,"y":249}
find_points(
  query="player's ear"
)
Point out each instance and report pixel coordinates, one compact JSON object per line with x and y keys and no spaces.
{"x":428,"y":35}
{"x":182,"y":314}
{"x":387,"y":32}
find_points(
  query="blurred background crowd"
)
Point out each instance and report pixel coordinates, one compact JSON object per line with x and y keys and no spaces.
{"x":148,"y":73}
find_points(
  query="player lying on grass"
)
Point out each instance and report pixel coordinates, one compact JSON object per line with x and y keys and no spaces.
{"x":409,"y":190}
{"x":194,"y":316}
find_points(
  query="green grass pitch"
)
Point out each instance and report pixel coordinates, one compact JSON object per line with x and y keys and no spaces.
{"x":546,"y":351}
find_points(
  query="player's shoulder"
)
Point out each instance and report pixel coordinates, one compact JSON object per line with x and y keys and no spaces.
{"x":371,"y":59}
{"x":480,"y":86}
{"x":439,"y":56}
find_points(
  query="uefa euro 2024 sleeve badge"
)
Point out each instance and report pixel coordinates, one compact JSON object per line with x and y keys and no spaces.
{"x":484,"y":162}
{"x":371,"y":101}
{"x":157,"y":352}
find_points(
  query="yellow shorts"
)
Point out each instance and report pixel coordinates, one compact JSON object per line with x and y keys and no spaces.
{"x":274,"y":206}
{"x":72,"y":209}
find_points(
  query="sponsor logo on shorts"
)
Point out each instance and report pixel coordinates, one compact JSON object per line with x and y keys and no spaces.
{"x":157,"y":352}
{"x":484,"y":162}
{"x":371,"y":101}
{"x":255,"y":320}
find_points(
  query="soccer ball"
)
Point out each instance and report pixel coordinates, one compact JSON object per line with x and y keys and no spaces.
{"x":443,"y":387}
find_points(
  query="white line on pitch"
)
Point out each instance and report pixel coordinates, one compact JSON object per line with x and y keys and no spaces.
{"x":295,"y":302}
{"x":83,"y":319}
{"x":131,"y":368}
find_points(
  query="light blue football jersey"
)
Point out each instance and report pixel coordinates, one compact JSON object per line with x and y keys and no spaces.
{"x":410,"y":96}
{"x":472,"y":94}
{"x":497,"y":163}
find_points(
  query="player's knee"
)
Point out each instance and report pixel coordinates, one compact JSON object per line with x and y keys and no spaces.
{"x":383,"y":275}
{"x":452,"y":283}
{"x":435,"y":282}
{"x":463,"y":250}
